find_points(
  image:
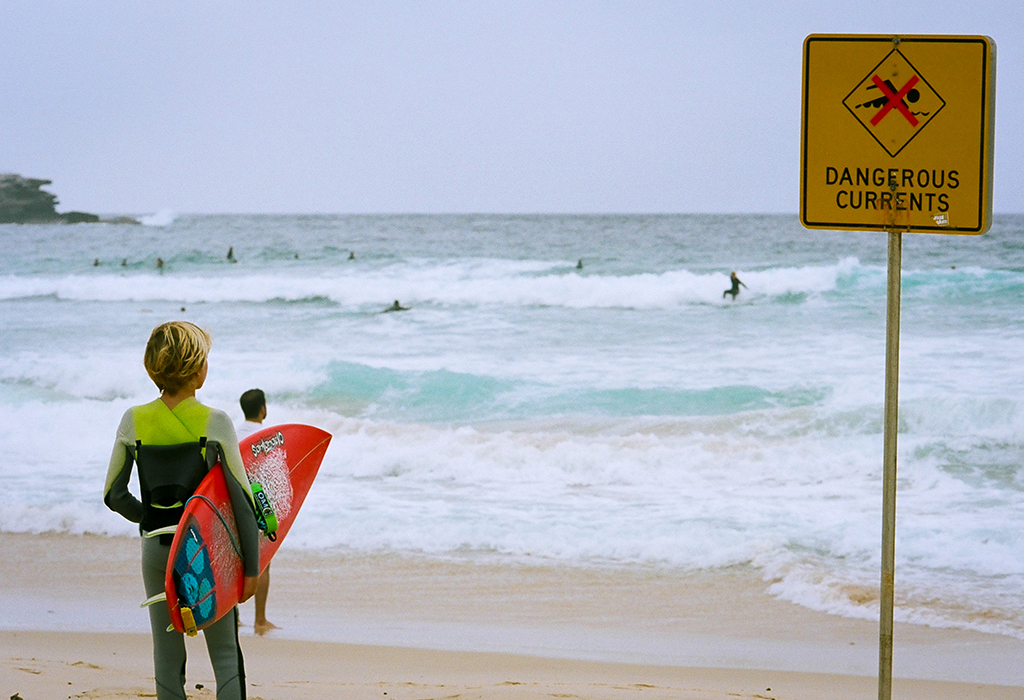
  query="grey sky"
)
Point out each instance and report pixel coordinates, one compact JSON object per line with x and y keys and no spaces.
{"x":134,"y":107}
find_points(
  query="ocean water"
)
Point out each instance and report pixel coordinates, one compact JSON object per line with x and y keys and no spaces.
{"x":623,"y":414}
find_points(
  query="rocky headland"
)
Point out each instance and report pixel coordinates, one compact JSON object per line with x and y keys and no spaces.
{"x":23,"y":201}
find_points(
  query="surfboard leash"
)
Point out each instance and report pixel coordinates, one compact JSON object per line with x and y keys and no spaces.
{"x":224,"y":522}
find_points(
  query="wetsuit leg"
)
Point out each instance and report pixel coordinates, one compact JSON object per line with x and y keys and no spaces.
{"x":226,"y":657}
{"x":168,"y":647}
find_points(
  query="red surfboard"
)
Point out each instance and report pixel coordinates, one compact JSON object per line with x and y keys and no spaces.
{"x":205,"y":571}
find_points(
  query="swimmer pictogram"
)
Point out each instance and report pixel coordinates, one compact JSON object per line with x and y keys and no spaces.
{"x":894,"y":102}
{"x":895,"y":99}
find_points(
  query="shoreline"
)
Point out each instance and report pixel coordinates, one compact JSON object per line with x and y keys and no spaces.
{"x":587,"y":623}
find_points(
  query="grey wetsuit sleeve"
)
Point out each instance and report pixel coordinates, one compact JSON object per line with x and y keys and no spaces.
{"x":116,"y":495}
{"x":248,"y":531}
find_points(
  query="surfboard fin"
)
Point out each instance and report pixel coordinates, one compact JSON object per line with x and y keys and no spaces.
{"x":169,"y":530}
{"x":152,"y":600}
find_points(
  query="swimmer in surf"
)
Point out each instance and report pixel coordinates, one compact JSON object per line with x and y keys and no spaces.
{"x":395,"y":307}
{"x":735,"y":289}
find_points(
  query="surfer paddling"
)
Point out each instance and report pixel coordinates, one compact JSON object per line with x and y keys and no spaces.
{"x":735,"y":289}
{"x":395,"y":307}
{"x":254,"y":407}
{"x":168,"y":439}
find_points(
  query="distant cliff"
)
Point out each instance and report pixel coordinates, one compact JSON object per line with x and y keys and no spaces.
{"x":22,"y":201}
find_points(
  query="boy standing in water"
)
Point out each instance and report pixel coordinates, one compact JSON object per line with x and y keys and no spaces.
{"x":254,"y":407}
{"x":169,"y":439}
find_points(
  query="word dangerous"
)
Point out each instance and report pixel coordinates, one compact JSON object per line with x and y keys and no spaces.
{"x":893,"y":179}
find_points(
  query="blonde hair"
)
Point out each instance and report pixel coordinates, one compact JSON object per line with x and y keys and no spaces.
{"x":175,"y":353}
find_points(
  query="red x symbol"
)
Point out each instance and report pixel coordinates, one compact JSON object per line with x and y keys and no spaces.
{"x":895,"y":100}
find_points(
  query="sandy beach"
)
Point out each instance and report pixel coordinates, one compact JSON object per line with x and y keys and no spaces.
{"x":402,"y":627}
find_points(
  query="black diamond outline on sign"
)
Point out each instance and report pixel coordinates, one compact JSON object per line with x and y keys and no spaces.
{"x":924,"y":80}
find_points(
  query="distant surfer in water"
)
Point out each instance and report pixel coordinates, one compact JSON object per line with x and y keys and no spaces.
{"x":395,"y":307}
{"x":254,"y":407}
{"x":231,"y":254}
{"x":735,"y":289}
{"x":162,"y":438}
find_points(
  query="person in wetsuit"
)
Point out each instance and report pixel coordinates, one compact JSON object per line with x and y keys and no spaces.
{"x":735,"y":289}
{"x":169,"y":440}
{"x":254,"y":408}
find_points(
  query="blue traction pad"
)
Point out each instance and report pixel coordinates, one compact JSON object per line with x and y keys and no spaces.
{"x":194,"y":579}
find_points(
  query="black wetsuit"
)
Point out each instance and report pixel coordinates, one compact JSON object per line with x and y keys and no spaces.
{"x":735,"y":288}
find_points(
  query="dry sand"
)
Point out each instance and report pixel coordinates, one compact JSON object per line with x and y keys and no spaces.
{"x":401,"y":627}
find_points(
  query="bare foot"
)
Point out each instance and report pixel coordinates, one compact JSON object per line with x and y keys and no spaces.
{"x":264,"y":626}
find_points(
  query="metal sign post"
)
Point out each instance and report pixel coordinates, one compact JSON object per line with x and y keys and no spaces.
{"x":897,"y":136}
{"x":892,"y":381}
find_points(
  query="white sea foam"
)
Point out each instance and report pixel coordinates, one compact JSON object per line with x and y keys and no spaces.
{"x":467,"y":284}
{"x":693,"y":493}
{"x":164,"y":217}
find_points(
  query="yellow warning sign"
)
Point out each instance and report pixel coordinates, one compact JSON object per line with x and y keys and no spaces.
{"x":897,"y":133}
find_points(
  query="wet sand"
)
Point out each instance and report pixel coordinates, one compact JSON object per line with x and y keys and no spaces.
{"x":413,"y":627}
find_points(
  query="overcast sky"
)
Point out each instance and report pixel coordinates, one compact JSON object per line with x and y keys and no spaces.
{"x":418,"y":106}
